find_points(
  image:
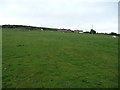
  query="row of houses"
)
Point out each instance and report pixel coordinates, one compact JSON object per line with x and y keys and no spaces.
{"x":69,"y":30}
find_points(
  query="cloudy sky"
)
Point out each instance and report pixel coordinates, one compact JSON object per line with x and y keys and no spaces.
{"x":70,"y":14}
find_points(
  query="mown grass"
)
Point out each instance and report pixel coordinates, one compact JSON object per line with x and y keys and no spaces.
{"x":44,"y":59}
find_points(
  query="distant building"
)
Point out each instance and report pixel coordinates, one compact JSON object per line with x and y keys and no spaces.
{"x":68,"y":30}
{"x":78,"y":31}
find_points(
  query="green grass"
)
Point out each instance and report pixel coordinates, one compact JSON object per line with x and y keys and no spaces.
{"x":59,"y":60}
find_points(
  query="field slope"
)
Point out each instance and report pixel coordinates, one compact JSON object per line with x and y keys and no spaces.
{"x":44,"y":59}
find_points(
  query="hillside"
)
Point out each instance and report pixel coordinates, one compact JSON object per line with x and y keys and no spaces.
{"x":41,"y":59}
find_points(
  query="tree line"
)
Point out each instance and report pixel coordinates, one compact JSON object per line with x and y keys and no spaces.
{"x":92,"y":31}
{"x":27,"y":27}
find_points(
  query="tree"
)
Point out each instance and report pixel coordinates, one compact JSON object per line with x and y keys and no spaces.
{"x":92,"y":31}
{"x":112,"y":33}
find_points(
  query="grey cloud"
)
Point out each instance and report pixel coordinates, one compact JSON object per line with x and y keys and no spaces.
{"x":72,"y":14}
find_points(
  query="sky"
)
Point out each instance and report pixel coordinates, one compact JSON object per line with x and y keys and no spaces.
{"x":69,"y":14}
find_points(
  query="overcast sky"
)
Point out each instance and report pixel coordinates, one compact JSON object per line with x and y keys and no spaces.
{"x":70,"y":14}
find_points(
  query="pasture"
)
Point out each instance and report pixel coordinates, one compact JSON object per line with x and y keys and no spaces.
{"x":44,"y":59}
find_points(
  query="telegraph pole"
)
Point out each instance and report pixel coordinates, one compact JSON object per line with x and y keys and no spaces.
{"x":92,"y":26}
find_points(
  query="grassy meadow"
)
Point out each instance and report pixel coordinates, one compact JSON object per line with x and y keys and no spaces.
{"x":45,"y":59}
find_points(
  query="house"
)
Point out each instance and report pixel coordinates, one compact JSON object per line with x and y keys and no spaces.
{"x":78,"y":31}
{"x":81,"y":31}
{"x":68,"y":30}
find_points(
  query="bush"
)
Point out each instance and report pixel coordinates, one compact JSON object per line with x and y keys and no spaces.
{"x":112,"y":33}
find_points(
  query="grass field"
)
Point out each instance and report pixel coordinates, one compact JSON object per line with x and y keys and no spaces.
{"x":44,"y":59}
